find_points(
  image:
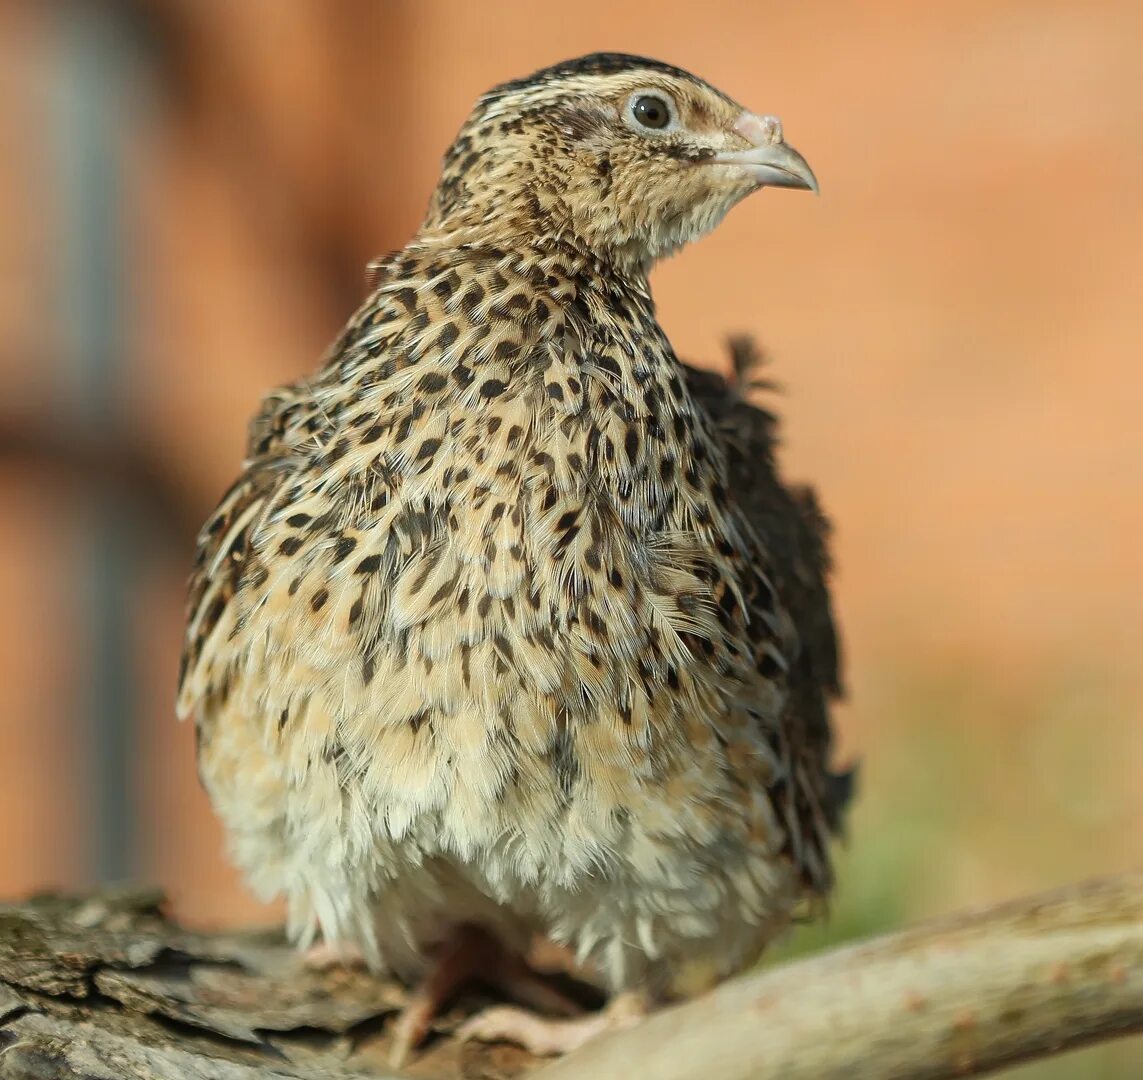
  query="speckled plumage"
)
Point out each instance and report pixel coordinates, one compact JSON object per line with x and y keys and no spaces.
{"x":507,"y":618}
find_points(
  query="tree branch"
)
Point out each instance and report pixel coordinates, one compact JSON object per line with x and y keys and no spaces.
{"x":105,"y":988}
{"x":954,"y":997}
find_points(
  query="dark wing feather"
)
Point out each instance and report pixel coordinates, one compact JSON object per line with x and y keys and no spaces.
{"x":223,"y":545}
{"x":795,"y":531}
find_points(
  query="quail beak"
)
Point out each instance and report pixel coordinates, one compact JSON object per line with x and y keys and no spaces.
{"x":768,"y":161}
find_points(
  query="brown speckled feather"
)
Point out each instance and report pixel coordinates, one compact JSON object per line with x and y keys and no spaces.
{"x":507,"y":618}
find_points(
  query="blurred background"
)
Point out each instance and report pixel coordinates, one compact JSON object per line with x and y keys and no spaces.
{"x":189,"y":194}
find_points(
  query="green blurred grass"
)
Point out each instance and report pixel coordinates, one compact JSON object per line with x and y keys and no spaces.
{"x":985,"y":787}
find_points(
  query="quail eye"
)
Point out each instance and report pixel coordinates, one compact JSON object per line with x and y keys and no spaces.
{"x":651,"y":111}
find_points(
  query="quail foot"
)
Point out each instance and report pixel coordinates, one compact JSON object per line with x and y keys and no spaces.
{"x":507,"y":621}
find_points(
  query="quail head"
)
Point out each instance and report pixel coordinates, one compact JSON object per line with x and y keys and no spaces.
{"x":507,"y":626}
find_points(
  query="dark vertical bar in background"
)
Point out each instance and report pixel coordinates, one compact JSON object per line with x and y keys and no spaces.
{"x":92,"y":125}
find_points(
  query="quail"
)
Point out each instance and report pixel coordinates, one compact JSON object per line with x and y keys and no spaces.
{"x":507,"y":626}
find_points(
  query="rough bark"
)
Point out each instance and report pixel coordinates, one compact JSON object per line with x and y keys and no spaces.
{"x":105,"y":988}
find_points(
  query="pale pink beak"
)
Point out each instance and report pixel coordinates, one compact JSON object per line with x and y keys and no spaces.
{"x":768,"y":161}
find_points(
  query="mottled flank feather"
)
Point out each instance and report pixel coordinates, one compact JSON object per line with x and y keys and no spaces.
{"x":508,"y":618}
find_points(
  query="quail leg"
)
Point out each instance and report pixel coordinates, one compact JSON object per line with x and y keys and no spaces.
{"x":326,"y":954}
{"x":471,"y":954}
{"x":547,"y":1036}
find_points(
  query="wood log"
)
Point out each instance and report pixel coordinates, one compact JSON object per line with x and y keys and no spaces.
{"x":104,"y":987}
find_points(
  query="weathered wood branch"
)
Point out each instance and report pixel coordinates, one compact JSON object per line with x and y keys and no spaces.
{"x":105,"y":988}
{"x":961,"y":996}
